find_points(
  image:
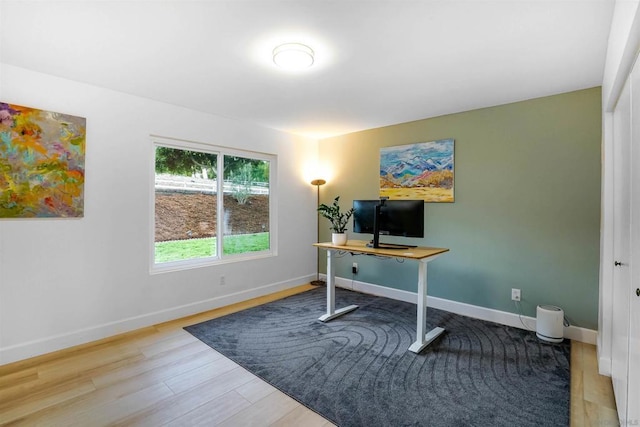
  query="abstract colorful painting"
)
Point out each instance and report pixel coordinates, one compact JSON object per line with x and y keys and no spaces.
{"x":41,"y":163}
{"x":418,"y":171}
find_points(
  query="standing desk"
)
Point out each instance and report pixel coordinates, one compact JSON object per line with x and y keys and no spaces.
{"x":421,"y":254}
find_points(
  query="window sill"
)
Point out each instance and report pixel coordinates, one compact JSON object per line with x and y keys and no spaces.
{"x":170,"y":267}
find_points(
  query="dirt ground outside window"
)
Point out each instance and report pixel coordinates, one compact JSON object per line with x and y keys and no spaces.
{"x":182,"y":215}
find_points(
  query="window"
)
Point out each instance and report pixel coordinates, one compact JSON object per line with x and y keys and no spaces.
{"x":192,"y":224}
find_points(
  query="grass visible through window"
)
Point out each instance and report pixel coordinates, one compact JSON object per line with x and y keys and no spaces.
{"x":241,"y":243}
{"x":177,"y":250}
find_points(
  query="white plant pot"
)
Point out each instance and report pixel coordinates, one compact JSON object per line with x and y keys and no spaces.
{"x":339,"y":239}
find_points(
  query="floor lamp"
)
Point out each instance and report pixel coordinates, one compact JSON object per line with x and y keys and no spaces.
{"x":318,"y":282}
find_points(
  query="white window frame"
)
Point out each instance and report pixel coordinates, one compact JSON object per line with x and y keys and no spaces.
{"x":219,"y":258}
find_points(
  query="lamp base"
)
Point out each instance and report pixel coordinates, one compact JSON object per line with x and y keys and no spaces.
{"x":318,"y":283}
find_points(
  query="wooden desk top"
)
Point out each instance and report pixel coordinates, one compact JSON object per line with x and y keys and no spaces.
{"x":360,"y":246}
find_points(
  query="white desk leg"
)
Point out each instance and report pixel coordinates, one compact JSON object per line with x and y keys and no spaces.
{"x":422,"y":339}
{"x":332,"y":313}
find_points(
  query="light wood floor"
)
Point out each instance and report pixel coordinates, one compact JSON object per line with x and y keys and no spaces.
{"x":162,"y":375}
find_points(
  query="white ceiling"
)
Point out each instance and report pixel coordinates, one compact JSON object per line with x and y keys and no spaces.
{"x":377,"y":62}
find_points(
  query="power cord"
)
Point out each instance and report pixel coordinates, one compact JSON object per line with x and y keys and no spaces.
{"x":519,"y":308}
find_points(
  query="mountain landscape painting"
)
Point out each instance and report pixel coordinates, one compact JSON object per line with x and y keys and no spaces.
{"x":422,"y":170}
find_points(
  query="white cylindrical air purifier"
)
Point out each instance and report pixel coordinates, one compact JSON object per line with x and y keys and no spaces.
{"x":550,"y":323}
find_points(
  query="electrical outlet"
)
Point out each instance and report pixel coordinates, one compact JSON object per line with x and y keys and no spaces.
{"x":354,"y":268}
{"x":515,"y":294}
{"x":223,"y":280}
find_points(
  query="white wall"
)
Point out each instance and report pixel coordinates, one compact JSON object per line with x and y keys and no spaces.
{"x":622,"y":49}
{"x":69,"y":281}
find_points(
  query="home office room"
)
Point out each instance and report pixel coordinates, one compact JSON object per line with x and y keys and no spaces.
{"x":165,"y":252}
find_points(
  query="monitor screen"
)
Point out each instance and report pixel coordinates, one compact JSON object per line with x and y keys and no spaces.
{"x":397,"y":217}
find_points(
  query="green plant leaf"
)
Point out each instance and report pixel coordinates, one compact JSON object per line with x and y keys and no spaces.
{"x":338,"y":219}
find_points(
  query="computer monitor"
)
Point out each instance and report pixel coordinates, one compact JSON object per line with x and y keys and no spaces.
{"x":395,"y":218}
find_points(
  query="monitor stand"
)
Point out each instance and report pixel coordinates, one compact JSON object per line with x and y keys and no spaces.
{"x":375,"y":243}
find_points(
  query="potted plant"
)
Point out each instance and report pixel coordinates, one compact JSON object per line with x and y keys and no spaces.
{"x":339,"y":221}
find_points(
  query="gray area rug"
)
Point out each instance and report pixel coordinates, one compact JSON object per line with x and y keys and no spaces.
{"x":356,"y":370}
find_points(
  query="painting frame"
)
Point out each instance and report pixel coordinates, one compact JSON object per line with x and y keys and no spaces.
{"x":42,"y":163}
{"x":421,"y":171}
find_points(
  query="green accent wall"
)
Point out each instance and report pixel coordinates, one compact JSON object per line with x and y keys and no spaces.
{"x":526,"y":212}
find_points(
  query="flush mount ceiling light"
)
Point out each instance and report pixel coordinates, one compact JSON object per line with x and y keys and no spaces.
{"x":293,"y":56}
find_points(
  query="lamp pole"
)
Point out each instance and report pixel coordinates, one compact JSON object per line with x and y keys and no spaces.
{"x":318,"y":182}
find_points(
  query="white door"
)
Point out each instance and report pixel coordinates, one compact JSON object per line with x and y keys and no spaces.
{"x":633,"y":377}
{"x":622,"y":249}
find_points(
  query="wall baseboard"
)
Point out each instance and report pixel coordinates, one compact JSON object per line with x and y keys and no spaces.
{"x":576,"y":333}
{"x":604,"y":366}
{"x":604,"y":360}
{"x":82,"y":336}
